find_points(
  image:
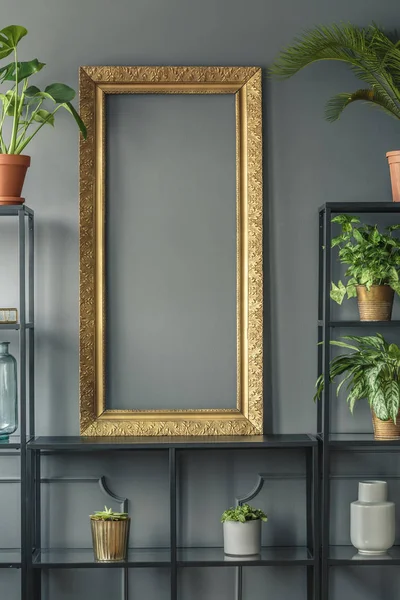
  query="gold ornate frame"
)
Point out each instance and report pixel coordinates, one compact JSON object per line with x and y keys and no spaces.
{"x":245,"y":84}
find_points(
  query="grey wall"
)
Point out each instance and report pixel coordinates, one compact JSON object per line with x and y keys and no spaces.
{"x":307,"y":162}
{"x":171,"y":251}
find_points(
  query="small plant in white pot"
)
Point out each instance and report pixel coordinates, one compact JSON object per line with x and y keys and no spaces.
{"x":242,"y":530}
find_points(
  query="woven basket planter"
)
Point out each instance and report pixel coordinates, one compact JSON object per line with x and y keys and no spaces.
{"x":385,"y":430}
{"x":375,"y":304}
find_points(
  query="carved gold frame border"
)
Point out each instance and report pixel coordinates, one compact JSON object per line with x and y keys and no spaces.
{"x":245,"y":84}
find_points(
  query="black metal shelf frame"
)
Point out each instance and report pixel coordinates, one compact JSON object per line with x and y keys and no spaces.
{"x":334,"y":556}
{"x":176,"y":557}
{"x":16,"y":445}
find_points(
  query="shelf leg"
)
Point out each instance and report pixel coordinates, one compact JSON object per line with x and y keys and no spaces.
{"x":173,"y":534}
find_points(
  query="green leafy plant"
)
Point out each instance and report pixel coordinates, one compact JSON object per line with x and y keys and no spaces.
{"x":24,"y":103}
{"x":108,"y":515}
{"x":373,"y":257}
{"x":373,"y":56}
{"x":243,"y":513}
{"x":372,"y":372}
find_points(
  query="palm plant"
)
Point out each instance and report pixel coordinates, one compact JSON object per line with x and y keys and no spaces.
{"x":372,"y":55}
{"x":372,"y":372}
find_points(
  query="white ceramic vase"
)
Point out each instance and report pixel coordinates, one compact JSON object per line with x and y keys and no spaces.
{"x":372,"y":519}
{"x":242,"y":539}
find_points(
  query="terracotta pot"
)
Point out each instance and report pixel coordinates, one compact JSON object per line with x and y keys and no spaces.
{"x":13,"y":169}
{"x":375,"y":304}
{"x":394,"y":166}
{"x":385,"y":430}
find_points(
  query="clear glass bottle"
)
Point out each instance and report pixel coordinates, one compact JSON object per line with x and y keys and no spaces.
{"x":8,"y":393}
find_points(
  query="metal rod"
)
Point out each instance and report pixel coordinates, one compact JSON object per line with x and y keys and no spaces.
{"x":320,"y":310}
{"x":22,"y":395}
{"x":309,"y":522}
{"x":326,"y":405}
{"x":31,"y":319}
{"x":37,"y":589}
{"x":316,"y":476}
{"x":173,"y":530}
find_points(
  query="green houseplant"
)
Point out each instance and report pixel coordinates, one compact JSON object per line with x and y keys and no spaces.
{"x":371,"y":371}
{"x":242,"y":530}
{"x":374,"y":58}
{"x":373,"y":260}
{"x":110,"y":535}
{"x":28,"y":108}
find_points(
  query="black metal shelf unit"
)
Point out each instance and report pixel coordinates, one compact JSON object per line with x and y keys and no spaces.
{"x":341,"y":555}
{"x":175,"y":557}
{"x":16,"y":445}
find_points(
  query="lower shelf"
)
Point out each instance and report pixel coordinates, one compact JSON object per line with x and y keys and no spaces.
{"x":84,"y":558}
{"x":10,"y":558}
{"x":161,"y":557}
{"x":272,"y":556}
{"x":347,"y":555}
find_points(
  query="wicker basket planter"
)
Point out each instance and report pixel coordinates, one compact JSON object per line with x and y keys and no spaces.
{"x":376,"y":303}
{"x":385,"y":430}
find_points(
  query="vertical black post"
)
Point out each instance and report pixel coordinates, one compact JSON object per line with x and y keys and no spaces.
{"x":31,"y":330}
{"x":173,"y":533}
{"x":320,"y":308}
{"x":22,"y":396}
{"x":37,"y":530}
{"x":309,"y":523}
{"x":316,"y":475}
{"x":326,"y":400}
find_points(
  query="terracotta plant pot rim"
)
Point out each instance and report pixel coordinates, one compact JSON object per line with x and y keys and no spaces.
{"x":15,"y":159}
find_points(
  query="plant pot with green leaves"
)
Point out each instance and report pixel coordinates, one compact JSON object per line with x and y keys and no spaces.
{"x":110,"y":535}
{"x":242,"y":530}
{"x":24,"y":106}
{"x":371,"y":371}
{"x":373,"y":57}
{"x":373,"y":260}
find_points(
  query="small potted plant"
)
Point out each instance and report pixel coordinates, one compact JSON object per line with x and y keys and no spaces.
{"x":110,"y":534}
{"x":372,"y":372}
{"x":25,"y":105}
{"x":373,"y":260}
{"x":242,"y":530}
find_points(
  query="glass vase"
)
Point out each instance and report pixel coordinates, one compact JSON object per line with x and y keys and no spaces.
{"x":8,"y":393}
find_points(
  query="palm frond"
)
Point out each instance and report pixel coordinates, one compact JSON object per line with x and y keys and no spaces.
{"x":338,"y":103}
{"x":370,"y":54}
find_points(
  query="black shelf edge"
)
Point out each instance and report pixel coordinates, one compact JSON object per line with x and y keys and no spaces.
{"x":348,"y":556}
{"x":101,"y":444}
{"x":368,"y":324}
{"x":10,"y":558}
{"x":269,"y":556}
{"x":83,"y":558}
{"x":361,"y":207}
{"x":17,"y":326}
{"x":13,"y":443}
{"x":361,"y":440}
{"x":13,"y":210}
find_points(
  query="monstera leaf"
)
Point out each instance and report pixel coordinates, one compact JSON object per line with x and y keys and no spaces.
{"x":62,"y":94}
{"x":9,"y":38}
{"x":23,"y":70}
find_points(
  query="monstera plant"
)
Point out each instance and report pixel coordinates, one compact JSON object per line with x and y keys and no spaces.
{"x":374,"y":58}
{"x":28,"y":108}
